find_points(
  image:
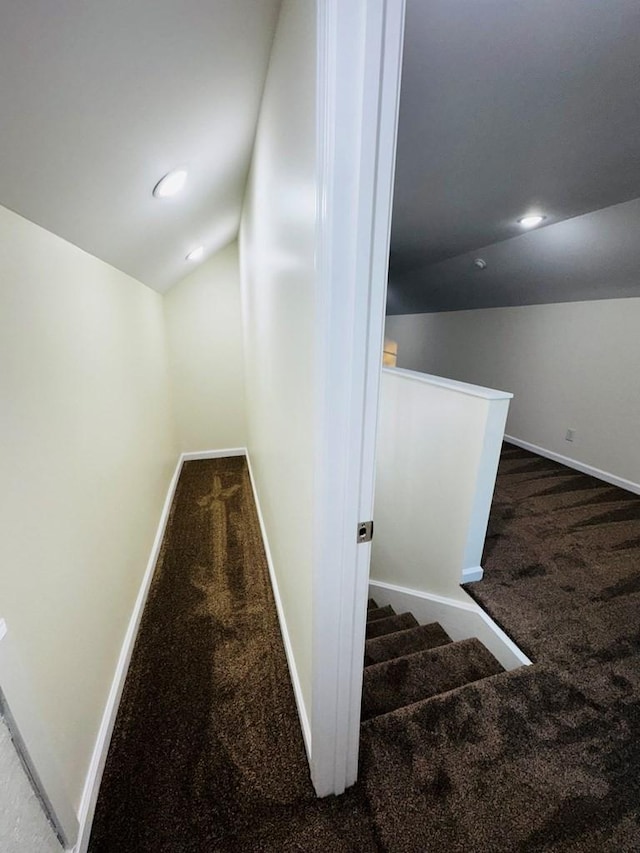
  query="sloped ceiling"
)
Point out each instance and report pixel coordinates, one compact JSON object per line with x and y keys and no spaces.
{"x":98,"y":100}
{"x":507,"y":107}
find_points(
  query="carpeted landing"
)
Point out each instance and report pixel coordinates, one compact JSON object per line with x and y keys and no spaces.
{"x":456,"y":755}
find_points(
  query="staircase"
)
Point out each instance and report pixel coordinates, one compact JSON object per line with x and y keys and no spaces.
{"x":406,"y":662}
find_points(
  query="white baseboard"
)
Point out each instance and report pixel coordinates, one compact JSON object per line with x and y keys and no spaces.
{"x":293,"y":670}
{"x":99,"y":756}
{"x":629,"y":485}
{"x":472,"y":574}
{"x":213,"y":454}
{"x":460,"y":619}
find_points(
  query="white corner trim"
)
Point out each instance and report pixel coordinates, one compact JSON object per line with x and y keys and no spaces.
{"x":472,"y":574}
{"x":359,"y":59}
{"x":99,"y":756}
{"x":613,"y":479}
{"x":461,"y":619}
{"x":291,"y":661}
{"x":449,"y":384}
{"x":213,"y":454}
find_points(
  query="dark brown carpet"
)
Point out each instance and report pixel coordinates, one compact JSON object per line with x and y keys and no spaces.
{"x":546,"y":758}
{"x":562,"y":563}
{"x":388,"y":646}
{"x":391,"y":624}
{"x":412,"y":677}
{"x":207,"y":755}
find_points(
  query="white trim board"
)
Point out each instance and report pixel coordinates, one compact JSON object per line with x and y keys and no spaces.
{"x":460,"y":619}
{"x":291,"y":661}
{"x":103,"y":740}
{"x":472,"y":574}
{"x":628,"y":485}
{"x":194,"y":455}
{"x":359,"y":58}
{"x":450,"y":384}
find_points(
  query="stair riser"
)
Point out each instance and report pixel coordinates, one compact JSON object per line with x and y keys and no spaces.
{"x":389,"y":646}
{"x":391,"y":624}
{"x":411,"y":678}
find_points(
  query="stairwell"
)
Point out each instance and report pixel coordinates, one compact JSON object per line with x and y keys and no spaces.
{"x":406,"y":662}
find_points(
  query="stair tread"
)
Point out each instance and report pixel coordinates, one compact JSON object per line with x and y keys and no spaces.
{"x":380,"y":613}
{"x":371,"y":604}
{"x":408,"y":713}
{"x":400,"y":643}
{"x":392,"y":623}
{"x":402,"y":681}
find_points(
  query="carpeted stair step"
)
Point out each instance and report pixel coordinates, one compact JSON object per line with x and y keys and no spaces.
{"x":391,"y":685}
{"x":380,"y":613}
{"x":400,"y":643}
{"x":392,"y":623}
{"x":371,"y":604}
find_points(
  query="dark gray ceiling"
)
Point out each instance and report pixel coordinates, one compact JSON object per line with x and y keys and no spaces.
{"x":508,"y":106}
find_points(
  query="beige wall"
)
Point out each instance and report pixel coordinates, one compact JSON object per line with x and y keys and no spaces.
{"x":204,"y":333}
{"x":277,"y":250}
{"x":571,"y":365}
{"x":437,"y":456}
{"x":87,"y":454}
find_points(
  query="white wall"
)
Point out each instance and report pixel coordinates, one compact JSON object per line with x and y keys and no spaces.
{"x":277,"y":247}
{"x":570,"y":365}
{"x":23,"y":826}
{"x":87,"y":454}
{"x":437,"y":456}
{"x":204,"y":334}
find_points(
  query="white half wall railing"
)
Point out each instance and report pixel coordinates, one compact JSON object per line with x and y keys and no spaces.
{"x":438,"y":450}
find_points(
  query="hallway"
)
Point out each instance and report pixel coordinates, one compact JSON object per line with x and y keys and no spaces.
{"x":207,"y":752}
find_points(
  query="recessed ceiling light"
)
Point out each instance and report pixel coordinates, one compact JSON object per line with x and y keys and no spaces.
{"x":531,"y":220}
{"x":196,"y":254}
{"x":171,"y":184}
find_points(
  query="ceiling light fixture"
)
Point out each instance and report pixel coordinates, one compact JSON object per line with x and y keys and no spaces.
{"x":171,"y":184}
{"x":531,"y":220}
{"x":196,"y":254}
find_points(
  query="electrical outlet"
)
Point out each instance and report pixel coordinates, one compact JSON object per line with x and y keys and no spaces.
{"x":570,"y":434}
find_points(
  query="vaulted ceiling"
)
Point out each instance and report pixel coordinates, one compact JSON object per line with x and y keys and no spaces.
{"x":508,"y":107}
{"x":98,"y":100}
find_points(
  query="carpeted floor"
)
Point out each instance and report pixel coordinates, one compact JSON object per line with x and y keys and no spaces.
{"x":562,"y":562}
{"x":207,"y":754}
{"x":545,"y":758}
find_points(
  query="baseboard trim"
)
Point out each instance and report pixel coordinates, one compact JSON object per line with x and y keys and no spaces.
{"x":598,"y":473}
{"x":461,"y":619}
{"x":99,"y":756}
{"x":291,"y":661}
{"x":472,"y":574}
{"x":213,"y":454}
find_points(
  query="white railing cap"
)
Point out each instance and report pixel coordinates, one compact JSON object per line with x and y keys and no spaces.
{"x":449,"y":384}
